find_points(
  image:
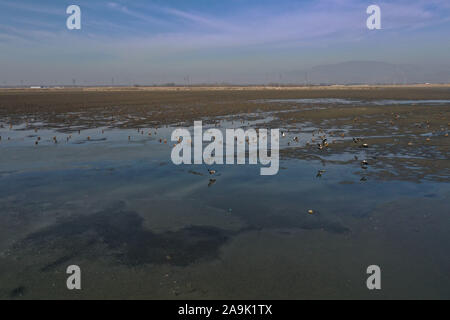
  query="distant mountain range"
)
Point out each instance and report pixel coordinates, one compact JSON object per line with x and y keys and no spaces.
{"x":370,"y":72}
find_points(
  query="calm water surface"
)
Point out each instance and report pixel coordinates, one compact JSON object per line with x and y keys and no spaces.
{"x":141,"y":227}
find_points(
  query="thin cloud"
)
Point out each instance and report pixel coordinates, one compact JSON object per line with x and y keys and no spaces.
{"x":32,"y":8}
{"x":199,"y":19}
{"x":143,"y":17}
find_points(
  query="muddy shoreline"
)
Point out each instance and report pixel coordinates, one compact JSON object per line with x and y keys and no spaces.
{"x":99,"y":190}
{"x":170,"y":106}
{"x":405,"y":141}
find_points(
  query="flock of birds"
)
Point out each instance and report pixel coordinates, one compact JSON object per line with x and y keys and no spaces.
{"x":69,"y":137}
{"x":322,"y":144}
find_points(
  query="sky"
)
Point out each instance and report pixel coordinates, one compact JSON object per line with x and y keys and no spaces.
{"x":210,"y":41}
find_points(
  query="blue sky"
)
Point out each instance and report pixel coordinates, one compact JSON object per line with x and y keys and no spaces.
{"x":245,"y":41}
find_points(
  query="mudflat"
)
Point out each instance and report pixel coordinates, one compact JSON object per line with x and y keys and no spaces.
{"x":419,"y":131}
{"x":86,"y":179}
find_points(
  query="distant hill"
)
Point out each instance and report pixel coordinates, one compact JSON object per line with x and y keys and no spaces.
{"x":370,"y":72}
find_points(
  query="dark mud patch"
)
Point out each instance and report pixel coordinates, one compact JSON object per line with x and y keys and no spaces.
{"x":118,"y":234}
{"x":122,"y":233}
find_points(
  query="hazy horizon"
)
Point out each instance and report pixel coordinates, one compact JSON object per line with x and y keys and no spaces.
{"x":208,"y":42}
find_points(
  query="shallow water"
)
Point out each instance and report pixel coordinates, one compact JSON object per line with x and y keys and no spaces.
{"x":332,"y":101}
{"x":112,"y":202}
